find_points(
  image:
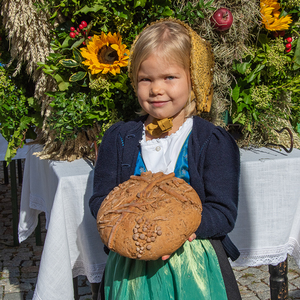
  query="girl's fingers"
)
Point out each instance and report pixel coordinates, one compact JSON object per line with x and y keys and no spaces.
{"x":192,"y":237}
{"x":165,"y":257}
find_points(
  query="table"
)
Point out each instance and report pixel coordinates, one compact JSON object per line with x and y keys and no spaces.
{"x":267,"y":228}
{"x":21,"y":154}
{"x":268,"y":222}
{"x":72,"y":246}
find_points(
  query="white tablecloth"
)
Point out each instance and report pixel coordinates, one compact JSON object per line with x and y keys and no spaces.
{"x":268,"y":223}
{"x":72,"y":246}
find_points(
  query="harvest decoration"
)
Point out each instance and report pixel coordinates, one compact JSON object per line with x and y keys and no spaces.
{"x":256,"y":76}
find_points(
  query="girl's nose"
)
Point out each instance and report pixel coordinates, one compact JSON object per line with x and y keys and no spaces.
{"x":156,"y":89}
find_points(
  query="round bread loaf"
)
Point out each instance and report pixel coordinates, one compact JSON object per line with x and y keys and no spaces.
{"x":149,"y":216}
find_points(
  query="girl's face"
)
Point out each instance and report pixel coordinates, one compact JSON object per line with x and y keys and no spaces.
{"x":163,"y":88}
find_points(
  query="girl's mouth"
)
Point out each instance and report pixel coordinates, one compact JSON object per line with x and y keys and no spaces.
{"x":158,"y":103}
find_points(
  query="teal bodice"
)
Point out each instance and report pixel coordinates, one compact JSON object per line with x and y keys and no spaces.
{"x":181,"y":167}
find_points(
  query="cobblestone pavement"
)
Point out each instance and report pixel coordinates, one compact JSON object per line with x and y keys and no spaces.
{"x":19,"y":265}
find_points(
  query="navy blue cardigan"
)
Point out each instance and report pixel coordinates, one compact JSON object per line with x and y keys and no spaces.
{"x":214,"y":165}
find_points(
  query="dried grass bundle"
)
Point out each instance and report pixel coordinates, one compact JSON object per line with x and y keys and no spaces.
{"x":81,"y":147}
{"x":29,"y":37}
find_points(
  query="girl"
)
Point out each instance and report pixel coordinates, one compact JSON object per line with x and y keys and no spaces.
{"x":171,"y":72}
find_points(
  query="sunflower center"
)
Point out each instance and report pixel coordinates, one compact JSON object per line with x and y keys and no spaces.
{"x":107,"y":55}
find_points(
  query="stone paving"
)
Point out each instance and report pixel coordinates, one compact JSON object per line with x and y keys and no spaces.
{"x":19,"y":265}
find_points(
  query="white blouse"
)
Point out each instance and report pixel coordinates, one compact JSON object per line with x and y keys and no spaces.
{"x":160,"y":155}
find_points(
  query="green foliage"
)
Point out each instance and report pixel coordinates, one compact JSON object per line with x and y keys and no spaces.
{"x":77,"y":108}
{"x":192,"y":12}
{"x":76,"y":111}
{"x":267,"y":83}
{"x":19,"y":114}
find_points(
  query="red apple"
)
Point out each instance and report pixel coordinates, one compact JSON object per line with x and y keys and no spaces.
{"x":222,"y":19}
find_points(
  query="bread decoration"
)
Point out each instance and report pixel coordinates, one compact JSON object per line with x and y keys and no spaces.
{"x":149,"y":216}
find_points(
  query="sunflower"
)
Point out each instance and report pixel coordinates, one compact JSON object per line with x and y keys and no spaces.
{"x":269,"y":10}
{"x":105,"y":53}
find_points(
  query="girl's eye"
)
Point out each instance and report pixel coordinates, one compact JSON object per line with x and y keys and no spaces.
{"x":144,"y":79}
{"x":170,"y":77}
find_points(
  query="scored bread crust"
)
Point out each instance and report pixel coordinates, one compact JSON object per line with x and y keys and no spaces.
{"x":149,"y":216}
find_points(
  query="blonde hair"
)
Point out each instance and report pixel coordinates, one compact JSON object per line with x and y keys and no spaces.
{"x":171,"y":41}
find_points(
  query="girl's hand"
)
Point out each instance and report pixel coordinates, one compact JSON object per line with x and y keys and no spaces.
{"x":190,"y":239}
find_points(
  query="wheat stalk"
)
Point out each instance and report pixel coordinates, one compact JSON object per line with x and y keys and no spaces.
{"x":29,"y":37}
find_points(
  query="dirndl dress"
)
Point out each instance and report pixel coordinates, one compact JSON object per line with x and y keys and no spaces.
{"x":192,"y":272}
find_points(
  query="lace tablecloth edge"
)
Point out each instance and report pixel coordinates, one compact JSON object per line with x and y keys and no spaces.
{"x":268,"y":256}
{"x":93,"y":272}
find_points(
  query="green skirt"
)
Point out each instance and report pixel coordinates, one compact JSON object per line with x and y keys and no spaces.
{"x":192,"y":272}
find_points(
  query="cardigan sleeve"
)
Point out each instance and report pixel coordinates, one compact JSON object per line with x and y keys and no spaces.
{"x":106,"y":169}
{"x":219,"y":167}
